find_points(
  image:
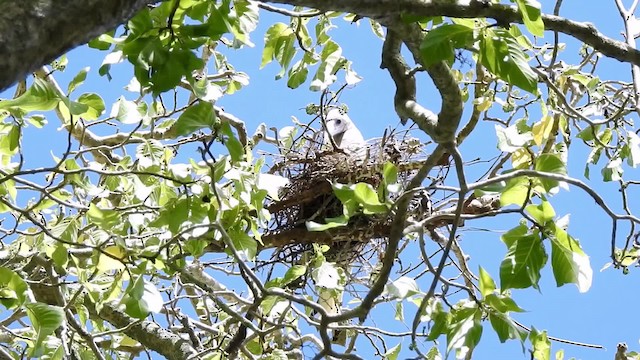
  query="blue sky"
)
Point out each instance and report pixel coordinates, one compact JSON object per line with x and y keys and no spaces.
{"x":601,"y":316}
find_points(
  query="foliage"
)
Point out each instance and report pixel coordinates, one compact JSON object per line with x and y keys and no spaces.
{"x":138,"y":238}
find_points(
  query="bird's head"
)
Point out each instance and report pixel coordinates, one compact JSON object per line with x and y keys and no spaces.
{"x":338,"y":122}
{"x":343,"y":131}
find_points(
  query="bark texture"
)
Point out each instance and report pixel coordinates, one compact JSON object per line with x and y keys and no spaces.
{"x":35,"y":32}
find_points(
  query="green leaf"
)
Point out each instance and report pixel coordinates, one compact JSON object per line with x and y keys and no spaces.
{"x":440,"y":321}
{"x":344,"y":193}
{"x":633,"y":141}
{"x":235,"y":147}
{"x":244,"y":22}
{"x":60,"y":64}
{"x":541,"y":344}
{"x":325,"y":76}
{"x":511,"y":139}
{"x":399,"y":316}
{"x":102,"y":42}
{"x":141,"y":23}
{"x":550,"y":163}
{"x":434,"y":353}
{"x":440,"y":43}
{"x":613,"y":171}
{"x":105,"y":219}
{"x":13,"y":290}
{"x":167,"y":75}
{"x":245,"y":244}
{"x":9,"y":187}
{"x":570,"y":264}
{"x":542,"y":213}
{"x":376,"y":28}
{"x":297,"y":75}
{"x":150,"y":153}
{"x":45,"y":320}
{"x":59,"y":255}
{"x":392,"y":354}
{"x":588,"y":133}
{"x":38,"y":121}
{"x":9,"y":139}
{"x":389,"y":173}
{"x":465,"y":328}
{"x":521,"y":266}
{"x":605,"y":136}
{"x":77,"y":80}
{"x":176,"y":214}
{"x":198,"y":116}
{"x":502,"y":303}
{"x":195,"y":246}
{"x":206,"y":90}
{"x":530,"y":10}
{"x":142,"y":298}
{"x":515,"y":192}
{"x":94,"y":106}
{"x":330,"y":223}
{"x":403,"y":288}
{"x":68,"y":108}
{"x":501,"y":54}
{"x":66,"y":229}
{"x":367,"y":196}
{"x":270,"y":38}
{"x":542,"y":130}
{"x":218,"y":22}
{"x":111,"y":258}
{"x":487,"y":285}
{"x":506,"y":328}
{"x":294,"y":273}
{"x":279,"y":43}
{"x":491,"y":189}
{"x":41,"y":96}
{"x":126,"y":111}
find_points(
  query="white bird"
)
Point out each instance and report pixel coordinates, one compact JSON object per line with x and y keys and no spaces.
{"x":344,"y":132}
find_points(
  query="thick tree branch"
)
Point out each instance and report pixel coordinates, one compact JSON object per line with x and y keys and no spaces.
{"x":49,"y":28}
{"x":35,"y":32}
{"x":585,"y":32}
{"x":440,"y":128}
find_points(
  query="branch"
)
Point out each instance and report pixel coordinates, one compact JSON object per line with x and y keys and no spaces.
{"x":151,"y":335}
{"x":558,"y":177}
{"x":397,"y":229}
{"x":440,"y":128}
{"x":289,"y":12}
{"x":583,"y":31}
{"x":630,"y":34}
{"x":101,"y":146}
{"x":479,"y":90}
{"x":35,"y":32}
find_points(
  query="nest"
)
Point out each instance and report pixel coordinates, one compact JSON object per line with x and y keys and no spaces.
{"x":309,"y":196}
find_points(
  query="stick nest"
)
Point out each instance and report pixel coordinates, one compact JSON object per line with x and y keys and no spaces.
{"x":309,"y":195}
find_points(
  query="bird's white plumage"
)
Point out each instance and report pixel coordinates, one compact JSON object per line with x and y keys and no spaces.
{"x":344,"y":132}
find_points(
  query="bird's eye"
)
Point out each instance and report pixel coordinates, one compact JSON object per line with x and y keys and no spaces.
{"x":338,"y":121}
